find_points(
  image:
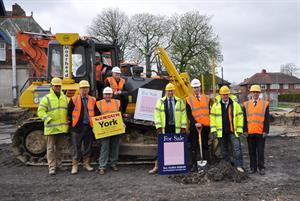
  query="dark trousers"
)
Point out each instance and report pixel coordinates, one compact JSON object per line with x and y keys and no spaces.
{"x":194,"y":142}
{"x":170,"y":129}
{"x":124,"y":101}
{"x":235,"y":142}
{"x":256,"y":148}
{"x":83,"y":135}
{"x":100,"y":87}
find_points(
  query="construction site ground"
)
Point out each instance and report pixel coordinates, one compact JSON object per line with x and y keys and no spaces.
{"x":132,"y":182}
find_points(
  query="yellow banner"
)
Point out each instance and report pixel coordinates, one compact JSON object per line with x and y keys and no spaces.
{"x":108,"y":125}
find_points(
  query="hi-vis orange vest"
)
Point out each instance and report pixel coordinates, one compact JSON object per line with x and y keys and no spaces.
{"x":105,"y":108}
{"x":256,"y":116}
{"x":77,"y":109}
{"x":200,"y":109}
{"x":98,"y":72}
{"x":113,"y":84}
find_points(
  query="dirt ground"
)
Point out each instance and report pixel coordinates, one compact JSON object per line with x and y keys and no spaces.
{"x":281,"y":182}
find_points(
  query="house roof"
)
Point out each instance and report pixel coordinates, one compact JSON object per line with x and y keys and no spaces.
{"x":219,"y":81}
{"x":270,"y":78}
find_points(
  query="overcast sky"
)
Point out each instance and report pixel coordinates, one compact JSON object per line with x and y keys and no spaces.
{"x":254,"y":34}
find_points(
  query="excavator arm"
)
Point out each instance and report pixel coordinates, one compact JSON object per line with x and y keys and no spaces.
{"x":34,"y":46}
{"x":181,"y":81}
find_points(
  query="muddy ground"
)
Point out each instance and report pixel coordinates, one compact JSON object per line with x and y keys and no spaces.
{"x":281,"y":182}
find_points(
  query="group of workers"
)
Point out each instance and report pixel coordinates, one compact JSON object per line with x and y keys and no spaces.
{"x":223,"y":119}
{"x":62,"y":116}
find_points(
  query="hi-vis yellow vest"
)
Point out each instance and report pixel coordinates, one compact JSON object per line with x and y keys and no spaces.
{"x":53,"y":111}
{"x":216,"y":118}
{"x":180,"y":114}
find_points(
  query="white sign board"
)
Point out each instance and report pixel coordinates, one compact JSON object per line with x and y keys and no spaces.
{"x":145,"y":103}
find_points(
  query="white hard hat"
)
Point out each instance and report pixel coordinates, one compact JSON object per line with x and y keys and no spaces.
{"x":195,"y":83}
{"x":116,"y":69}
{"x":107,"y":90}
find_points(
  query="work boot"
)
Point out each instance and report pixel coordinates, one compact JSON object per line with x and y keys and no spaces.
{"x":262,"y":171}
{"x":114,"y":168}
{"x":87,"y":166}
{"x":240,"y":169}
{"x":101,"y":171}
{"x":154,"y":169}
{"x":74,"y":167}
{"x":252,"y":171}
{"x":52,"y":171}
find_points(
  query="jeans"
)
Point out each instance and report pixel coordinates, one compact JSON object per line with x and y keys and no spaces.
{"x":109,"y":152}
{"x":230,"y":138}
{"x":83,"y":136}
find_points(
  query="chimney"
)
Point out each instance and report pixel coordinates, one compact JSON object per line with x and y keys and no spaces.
{"x":264,"y":71}
{"x":17,"y":10}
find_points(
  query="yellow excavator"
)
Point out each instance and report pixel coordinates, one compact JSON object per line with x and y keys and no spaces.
{"x":73,"y":59}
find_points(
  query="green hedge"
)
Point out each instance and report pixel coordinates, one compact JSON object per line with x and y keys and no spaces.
{"x":289,"y":97}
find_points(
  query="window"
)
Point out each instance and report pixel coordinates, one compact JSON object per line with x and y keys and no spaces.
{"x":262,"y":86}
{"x":286,"y":86}
{"x":2,"y":51}
{"x":274,"y":86}
{"x":297,"y":86}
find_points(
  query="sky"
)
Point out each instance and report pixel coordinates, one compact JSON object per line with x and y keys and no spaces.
{"x":254,"y":34}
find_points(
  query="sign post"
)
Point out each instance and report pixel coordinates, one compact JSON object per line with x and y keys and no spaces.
{"x":172,"y":154}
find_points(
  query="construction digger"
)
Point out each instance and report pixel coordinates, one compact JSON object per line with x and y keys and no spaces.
{"x":72,"y":58}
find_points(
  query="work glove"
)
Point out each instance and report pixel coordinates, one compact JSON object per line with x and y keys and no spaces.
{"x":182,"y":130}
{"x":159,"y":131}
{"x":214,"y":134}
{"x":265,"y":135}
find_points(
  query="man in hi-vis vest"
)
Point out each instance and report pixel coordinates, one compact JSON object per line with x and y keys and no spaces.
{"x":53,"y":111}
{"x":81,"y":109}
{"x":227,"y":124}
{"x":198,"y":114}
{"x":117,"y":84}
{"x":169,"y":116}
{"x":109,"y":152}
{"x":256,"y":112}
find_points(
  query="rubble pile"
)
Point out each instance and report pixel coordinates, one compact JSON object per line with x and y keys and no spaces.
{"x":223,"y":171}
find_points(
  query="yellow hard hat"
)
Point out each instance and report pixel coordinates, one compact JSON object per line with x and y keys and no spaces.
{"x":170,"y":87}
{"x":255,"y":88}
{"x":84,"y":83}
{"x":224,"y":90}
{"x":56,"y":81}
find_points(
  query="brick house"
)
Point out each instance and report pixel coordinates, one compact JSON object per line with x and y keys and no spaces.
{"x":10,"y":23}
{"x":272,"y":84}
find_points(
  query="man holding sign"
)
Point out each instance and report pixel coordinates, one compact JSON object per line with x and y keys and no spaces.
{"x":109,"y":152}
{"x":169,"y":116}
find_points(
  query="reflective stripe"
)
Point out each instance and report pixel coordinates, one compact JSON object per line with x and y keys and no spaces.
{"x":57,"y":108}
{"x":53,"y":125}
{"x":160,"y":110}
{"x":217,"y":115}
{"x":256,"y":114}
{"x":44,"y":106}
{"x":46,"y":117}
{"x":201,"y":115}
{"x":49,"y":103}
{"x":254,"y":121}
{"x":240,"y":113}
{"x":212,"y":126}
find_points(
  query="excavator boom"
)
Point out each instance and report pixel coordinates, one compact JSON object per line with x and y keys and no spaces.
{"x":34,"y":46}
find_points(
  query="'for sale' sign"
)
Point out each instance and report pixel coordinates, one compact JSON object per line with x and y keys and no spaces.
{"x":108,"y":125}
{"x":172,"y":153}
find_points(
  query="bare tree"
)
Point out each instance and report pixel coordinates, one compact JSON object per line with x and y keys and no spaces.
{"x":193,"y":43}
{"x":148,"y":31}
{"x":113,"y":26}
{"x":289,"y":69}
